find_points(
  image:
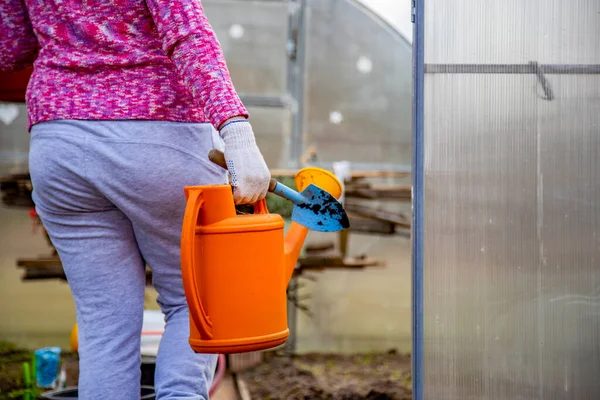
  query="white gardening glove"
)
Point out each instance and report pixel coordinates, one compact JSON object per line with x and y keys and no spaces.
{"x":249,"y":173}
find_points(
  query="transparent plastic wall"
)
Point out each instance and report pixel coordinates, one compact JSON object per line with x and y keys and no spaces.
{"x":357,"y":82}
{"x":358,"y":94}
{"x":14,"y":139}
{"x":508,"y":244}
{"x":356,"y":70}
{"x":254,"y":35}
{"x":357,"y":107}
{"x":358,"y":86}
{"x":357,"y":91}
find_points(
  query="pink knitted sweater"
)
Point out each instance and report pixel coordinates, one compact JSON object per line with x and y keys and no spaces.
{"x":118,"y":59}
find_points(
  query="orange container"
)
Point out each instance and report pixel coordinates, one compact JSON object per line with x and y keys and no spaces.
{"x":236,"y":269}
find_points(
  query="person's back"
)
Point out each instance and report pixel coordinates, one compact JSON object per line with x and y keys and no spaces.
{"x":126,"y":59}
{"x":123,"y":103}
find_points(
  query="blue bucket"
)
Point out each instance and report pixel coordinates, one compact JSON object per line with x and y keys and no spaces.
{"x":47,"y":361}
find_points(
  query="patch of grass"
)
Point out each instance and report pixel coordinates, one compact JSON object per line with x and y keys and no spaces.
{"x":12,"y":380}
{"x":366,"y":359}
{"x":407,"y":381}
{"x":315,"y":369}
{"x":20,"y":394}
{"x":396,"y":375}
{"x":4,"y":345}
{"x":10,"y":353}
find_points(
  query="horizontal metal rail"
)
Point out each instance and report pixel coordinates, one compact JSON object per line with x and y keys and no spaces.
{"x":252,"y":100}
{"x":362,"y":166}
{"x":531,"y":68}
{"x":540,"y":70}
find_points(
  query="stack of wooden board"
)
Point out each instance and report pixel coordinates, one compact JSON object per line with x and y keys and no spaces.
{"x":368,"y":218}
{"x":16,"y":190}
{"x":364,"y":217}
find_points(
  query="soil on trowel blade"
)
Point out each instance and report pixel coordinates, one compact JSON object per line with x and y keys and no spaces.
{"x":333,"y":377}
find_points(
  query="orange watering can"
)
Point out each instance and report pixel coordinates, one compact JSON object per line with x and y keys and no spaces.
{"x":236,"y":268}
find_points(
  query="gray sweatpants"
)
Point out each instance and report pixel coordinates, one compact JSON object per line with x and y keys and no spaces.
{"x":110,"y":195}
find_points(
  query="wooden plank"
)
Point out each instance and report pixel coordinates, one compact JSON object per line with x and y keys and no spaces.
{"x":51,"y":268}
{"x":343,"y":241}
{"x":322,"y":263}
{"x":380,"y":214}
{"x":318,"y":247}
{"x":39,"y":263}
{"x":379,"y":174}
{"x":397,"y":192}
{"x":319,"y":260}
{"x":242,"y":388}
{"x":406,"y":188}
{"x":275,"y":172}
{"x":358,"y":224}
{"x":43,"y":274}
{"x":21,"y":202}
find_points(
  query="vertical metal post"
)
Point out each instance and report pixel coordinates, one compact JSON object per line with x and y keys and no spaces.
{"x":295,"y":76}
{"x":292,"y":316}
{"x":295,"y":89}
{"x":418,"y":197}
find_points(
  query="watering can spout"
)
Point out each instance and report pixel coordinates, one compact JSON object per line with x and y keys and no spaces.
{"x":292,"y":245}
{"x":296,"y":235}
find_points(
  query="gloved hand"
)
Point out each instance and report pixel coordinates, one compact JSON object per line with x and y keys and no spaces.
{"x":249,"y":173}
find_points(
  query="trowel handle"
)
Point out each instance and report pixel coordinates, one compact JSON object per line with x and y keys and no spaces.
{"x":218,"y":157}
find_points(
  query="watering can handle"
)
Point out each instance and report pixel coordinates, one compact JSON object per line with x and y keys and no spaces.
{"x":218,"y":158}
{"x":197,"y":310}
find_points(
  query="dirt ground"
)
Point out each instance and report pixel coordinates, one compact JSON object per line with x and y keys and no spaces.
{"x":12,"y":381}
{"x":333,"y":377}
{"x":374,"y":376}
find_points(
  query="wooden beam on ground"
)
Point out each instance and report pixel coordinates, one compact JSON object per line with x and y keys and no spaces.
{"x":319,"y":247}
{"x":242,"y":388}
{"x":399,"y":219}
{"x":39,"y":263}
{"x":43,"y":268}
{"x":368,"y":225}
{"x":320,"y":263}
{"x":44,"y":274}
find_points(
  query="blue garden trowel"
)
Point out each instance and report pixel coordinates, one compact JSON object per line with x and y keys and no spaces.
{"x":314,"y":208}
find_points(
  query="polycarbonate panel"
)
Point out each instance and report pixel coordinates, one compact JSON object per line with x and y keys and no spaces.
{"x":358,"y":85}
{"x":253,"y":35}
{"x":511,"y":223}
{"x":272,"y":129}
{"x":14,"y":139}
